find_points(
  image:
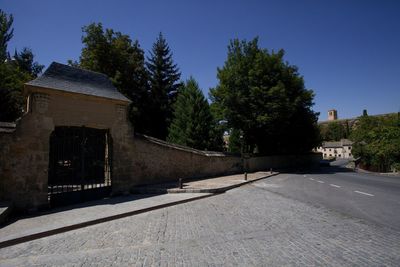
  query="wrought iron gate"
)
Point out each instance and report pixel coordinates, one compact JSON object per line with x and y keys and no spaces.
{"x":79,"y":165}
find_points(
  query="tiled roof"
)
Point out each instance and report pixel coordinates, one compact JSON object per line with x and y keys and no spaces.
{"x":341,"y":143}
{"x":331,"y":145}
{"x":71,"y":79}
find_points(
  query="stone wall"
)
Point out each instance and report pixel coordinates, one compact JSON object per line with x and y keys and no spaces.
{"x":24,"y":153}
{"x":152,"y":160}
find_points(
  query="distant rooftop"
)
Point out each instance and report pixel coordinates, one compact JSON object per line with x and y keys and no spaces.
{"x":341,"y":143}
{"x":71,"y":79}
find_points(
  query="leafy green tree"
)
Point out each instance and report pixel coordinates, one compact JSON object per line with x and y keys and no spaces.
{"x":377,"y":142}
{"x":163,"y":77}
{"x":265,"y":98}
{"x":192,"y":123}
{"x":121,"y":59}
{"x":13,"y":72}
{"x":11,"y":84}
{"x":334,"y":131}
{"x":6,"y":33}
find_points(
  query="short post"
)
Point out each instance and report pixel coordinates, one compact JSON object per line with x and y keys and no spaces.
{"x":245,"y":176}
{"x":270,"y":170}
{"x":180,"y":183}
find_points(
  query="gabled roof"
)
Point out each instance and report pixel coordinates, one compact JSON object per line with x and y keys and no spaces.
{"x":71,"y":79}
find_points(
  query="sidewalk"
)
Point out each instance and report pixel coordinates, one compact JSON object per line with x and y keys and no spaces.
{"x":210,"y":185}
{"x":95,"y":212}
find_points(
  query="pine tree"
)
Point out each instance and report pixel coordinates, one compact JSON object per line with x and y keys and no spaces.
{"x":163,"y":79}
{"x":193,"y":122}
{"x":26,"y":63}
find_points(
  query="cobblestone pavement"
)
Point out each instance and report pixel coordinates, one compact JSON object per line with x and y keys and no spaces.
{"x":247,"y":226}
{"x":86,"y":212}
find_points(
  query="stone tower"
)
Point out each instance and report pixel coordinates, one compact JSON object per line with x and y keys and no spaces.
{"x":332,"y":115}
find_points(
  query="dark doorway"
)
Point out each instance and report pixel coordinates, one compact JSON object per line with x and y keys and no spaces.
{"x":79,"y":165}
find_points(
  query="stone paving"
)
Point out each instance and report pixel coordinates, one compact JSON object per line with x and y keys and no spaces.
{"x":247,"y":226}
{"x":88,"y":211}
{"x":94,"y":210}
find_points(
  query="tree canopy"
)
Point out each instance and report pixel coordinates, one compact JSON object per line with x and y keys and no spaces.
{"x":6,"y":33}
{"x":265,"y":98}
{"x":377,"y":142}
{"x":25,"y":62}
{"x":151,"y":86}
{"x":334,"y":131}
{"x":192,"y":120}
{"x":116,"y":55}
{"x":14,"y":72}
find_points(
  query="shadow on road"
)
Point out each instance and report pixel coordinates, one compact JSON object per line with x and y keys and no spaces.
{"x":325,"y":167}
{"x":15,"y":216}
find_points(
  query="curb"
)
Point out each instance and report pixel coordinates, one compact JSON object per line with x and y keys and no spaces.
{"x":19,"y":240}
{"x":194,"y":190}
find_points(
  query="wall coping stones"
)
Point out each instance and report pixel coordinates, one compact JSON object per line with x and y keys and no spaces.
{"x":184,"y":148}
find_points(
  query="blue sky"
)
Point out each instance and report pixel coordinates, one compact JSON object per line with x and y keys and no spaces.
{"x":347,"y":51}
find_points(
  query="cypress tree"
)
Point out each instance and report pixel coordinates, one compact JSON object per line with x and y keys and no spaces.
{"x":193,"y":122}
{"x":163,"y":79}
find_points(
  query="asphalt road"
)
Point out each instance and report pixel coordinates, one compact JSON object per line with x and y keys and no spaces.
{"x":375,"y":198}
{"x":246,"y":226}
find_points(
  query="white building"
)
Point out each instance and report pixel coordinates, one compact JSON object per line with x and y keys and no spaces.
{"x":340,"y":149}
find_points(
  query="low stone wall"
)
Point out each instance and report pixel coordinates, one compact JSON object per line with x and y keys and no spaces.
{"x":154,"y":161}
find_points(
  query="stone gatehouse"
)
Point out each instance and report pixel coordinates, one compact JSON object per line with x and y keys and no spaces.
{"x":63,"y":96}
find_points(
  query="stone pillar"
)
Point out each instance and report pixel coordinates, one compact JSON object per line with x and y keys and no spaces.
{"x":31,"y":154}
{"x":40,"y":103}
{"x":122,"y":134}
